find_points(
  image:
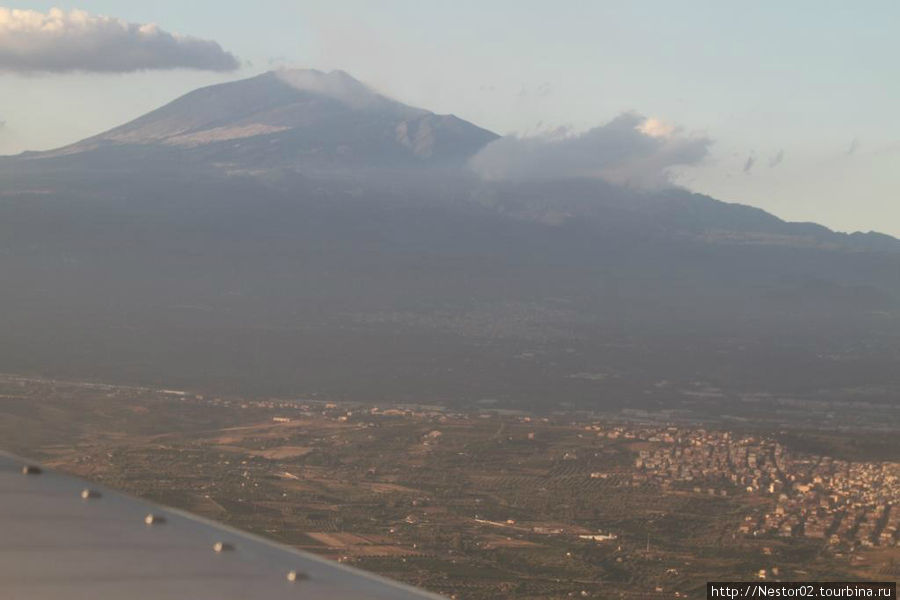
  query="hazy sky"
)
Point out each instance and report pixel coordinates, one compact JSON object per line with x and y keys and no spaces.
{"x":799,"y":99}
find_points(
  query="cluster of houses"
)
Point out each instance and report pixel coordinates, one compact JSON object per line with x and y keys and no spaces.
{"x":846,"y":503}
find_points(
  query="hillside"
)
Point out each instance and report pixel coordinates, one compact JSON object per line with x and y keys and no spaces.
{"x":298,"y":233}
{"x":301,"y":119}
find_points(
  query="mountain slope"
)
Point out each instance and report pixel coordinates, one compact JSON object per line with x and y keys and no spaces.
{"x":298,"y":233}
{"x":302,"y":119}
{"x":286,"y":124}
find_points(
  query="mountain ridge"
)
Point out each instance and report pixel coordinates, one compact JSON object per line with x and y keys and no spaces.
{"x":327,"y":124}
{"x":307,"y":114}
{"x":349,"y":256}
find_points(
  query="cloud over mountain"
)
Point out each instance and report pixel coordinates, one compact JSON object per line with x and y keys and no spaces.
{"x":60,"y":41}
{"x":630,"y":150}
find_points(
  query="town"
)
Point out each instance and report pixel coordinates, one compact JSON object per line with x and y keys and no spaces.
{"x":480,"y":503}
{"x":849,"y":504}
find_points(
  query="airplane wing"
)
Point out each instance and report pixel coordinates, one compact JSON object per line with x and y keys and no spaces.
{"x":62,"y":538}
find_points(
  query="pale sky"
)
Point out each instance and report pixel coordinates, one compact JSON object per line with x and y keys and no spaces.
{"x":800,"y":98}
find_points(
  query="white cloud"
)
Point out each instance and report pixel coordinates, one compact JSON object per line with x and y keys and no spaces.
{"x":336,"y":84}
{"x":630,"y":150}
{"x":60,"y":41}
{"x":656,"y":128}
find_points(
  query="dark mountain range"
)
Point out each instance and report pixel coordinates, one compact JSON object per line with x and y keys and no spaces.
{"x":298,"y":233}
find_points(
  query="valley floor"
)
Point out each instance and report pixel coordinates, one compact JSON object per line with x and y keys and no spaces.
{"x":485,"y":504}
